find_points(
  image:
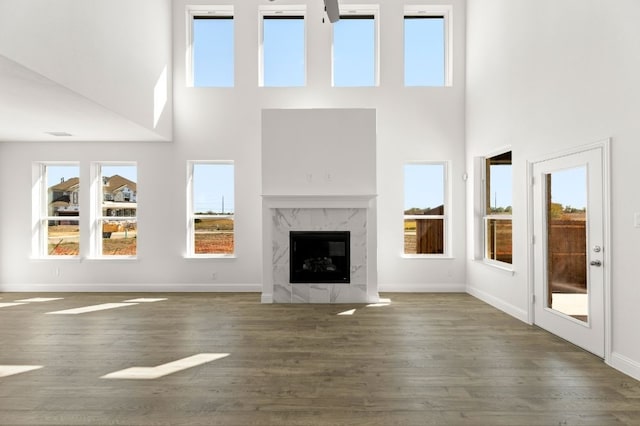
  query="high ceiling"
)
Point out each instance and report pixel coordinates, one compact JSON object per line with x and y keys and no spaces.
{"x":31,"y":106}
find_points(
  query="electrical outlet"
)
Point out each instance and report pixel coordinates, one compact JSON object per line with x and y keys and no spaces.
{"x":214,"y":276}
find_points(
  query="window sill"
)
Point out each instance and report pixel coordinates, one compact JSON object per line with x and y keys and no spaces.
{"x":503,"y":267}
{"x":62,"y":258}
{"x":427,"y":256}
{"x":209,"y":256}
{"x":113,"y":258}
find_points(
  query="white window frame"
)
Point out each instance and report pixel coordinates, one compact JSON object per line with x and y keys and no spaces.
{"x":39,"y":213}
{"x":361,"y":10}
{"x":96,"y":197}
{"x":445,"y":11}
{"x":277,"y":10}
{"x":446,"y":232}
{"x":191,"y":11}
{"x":191,"y":216}
{"x":486,"y":217}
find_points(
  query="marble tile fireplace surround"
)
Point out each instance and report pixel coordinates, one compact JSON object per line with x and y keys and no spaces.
{"x":285,"y":213}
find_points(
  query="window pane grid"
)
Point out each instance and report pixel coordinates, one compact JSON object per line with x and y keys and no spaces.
{"x":59,"y":210}
{"x":498,"y":238}
{"x":116,"y":217}
{"x":425,"y":209}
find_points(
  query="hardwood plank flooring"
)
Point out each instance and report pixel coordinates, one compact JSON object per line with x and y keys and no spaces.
{"x":426,"y":359}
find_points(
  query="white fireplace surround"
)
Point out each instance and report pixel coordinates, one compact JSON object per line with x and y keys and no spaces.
{"x":284,"y":213}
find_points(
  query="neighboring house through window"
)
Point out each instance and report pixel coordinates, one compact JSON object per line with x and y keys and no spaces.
{"x":116,"y":204}
{"x":57,"y":210}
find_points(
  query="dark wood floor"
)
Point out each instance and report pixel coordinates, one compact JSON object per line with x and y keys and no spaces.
{"x":426,"y":359}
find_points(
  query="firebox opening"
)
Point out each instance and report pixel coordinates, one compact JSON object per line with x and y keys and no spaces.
{"x":319,"y":257}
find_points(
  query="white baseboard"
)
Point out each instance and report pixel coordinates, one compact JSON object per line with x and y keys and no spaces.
{"x":131,"y":288}
{"x":421,"y":288}
{"x":500,"y":304}
{"x":625,"y":365}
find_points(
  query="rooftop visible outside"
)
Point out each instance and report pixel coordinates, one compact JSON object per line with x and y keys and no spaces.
{"x":63,"y":232}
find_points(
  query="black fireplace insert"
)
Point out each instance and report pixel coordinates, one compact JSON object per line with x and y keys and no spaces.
{"x":319,"y":257}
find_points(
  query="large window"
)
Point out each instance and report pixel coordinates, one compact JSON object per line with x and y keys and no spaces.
{"x":210,"y":59}
{"x":283,"y":48}
{"x":427,"y":46}
{"x":116,"y":220}
{"x":354,"y":49}
{"x":498,"y":210}
{"x":211,"y":208}
{"x":425,"y":209}
{"x":58,"y":210}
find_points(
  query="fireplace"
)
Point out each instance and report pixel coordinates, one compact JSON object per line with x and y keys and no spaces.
{"x":319,"y":257}
{"x":350,"y":218}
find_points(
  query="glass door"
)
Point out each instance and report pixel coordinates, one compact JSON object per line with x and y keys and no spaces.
{"x":568,"y":238}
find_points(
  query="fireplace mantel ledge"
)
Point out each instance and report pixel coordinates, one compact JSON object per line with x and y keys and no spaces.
{"x":318,"y":201}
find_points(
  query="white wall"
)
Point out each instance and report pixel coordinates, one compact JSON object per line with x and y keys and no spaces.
{"x":413,"y":124}
{"x":319,"y":152}
{"x":544,"y":76}
{"x":112,"y":52}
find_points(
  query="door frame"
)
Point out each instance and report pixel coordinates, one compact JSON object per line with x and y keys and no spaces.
{"x":605,"y":150}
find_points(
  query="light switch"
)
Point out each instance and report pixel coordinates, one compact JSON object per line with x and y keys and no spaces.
{"x":636,"y":220}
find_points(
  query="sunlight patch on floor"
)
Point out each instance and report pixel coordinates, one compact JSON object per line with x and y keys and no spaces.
{"x":146,"y":300}
{"x":146,"y":373}
{"x":91,"y":308}
{"x":10,"y":370}
{"x":9,"y":304}
{"x":40,"y":299}
{"x":349,"y":312}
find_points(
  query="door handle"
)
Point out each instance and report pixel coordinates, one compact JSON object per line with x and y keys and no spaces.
{"x":595,"y":263}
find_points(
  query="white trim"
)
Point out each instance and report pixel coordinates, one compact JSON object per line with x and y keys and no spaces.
{"x":132,"y":287}
{"x":192,"y":11}
{"x":499,"y":266}
{"x":497,"y":303}
{"x":317,"y":201}
{"x":624,"y":364}
{"x":445,"y":10}
{"x":422,"y":288}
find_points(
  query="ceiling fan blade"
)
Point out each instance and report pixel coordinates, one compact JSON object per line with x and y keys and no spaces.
{"x":333,"y":11}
